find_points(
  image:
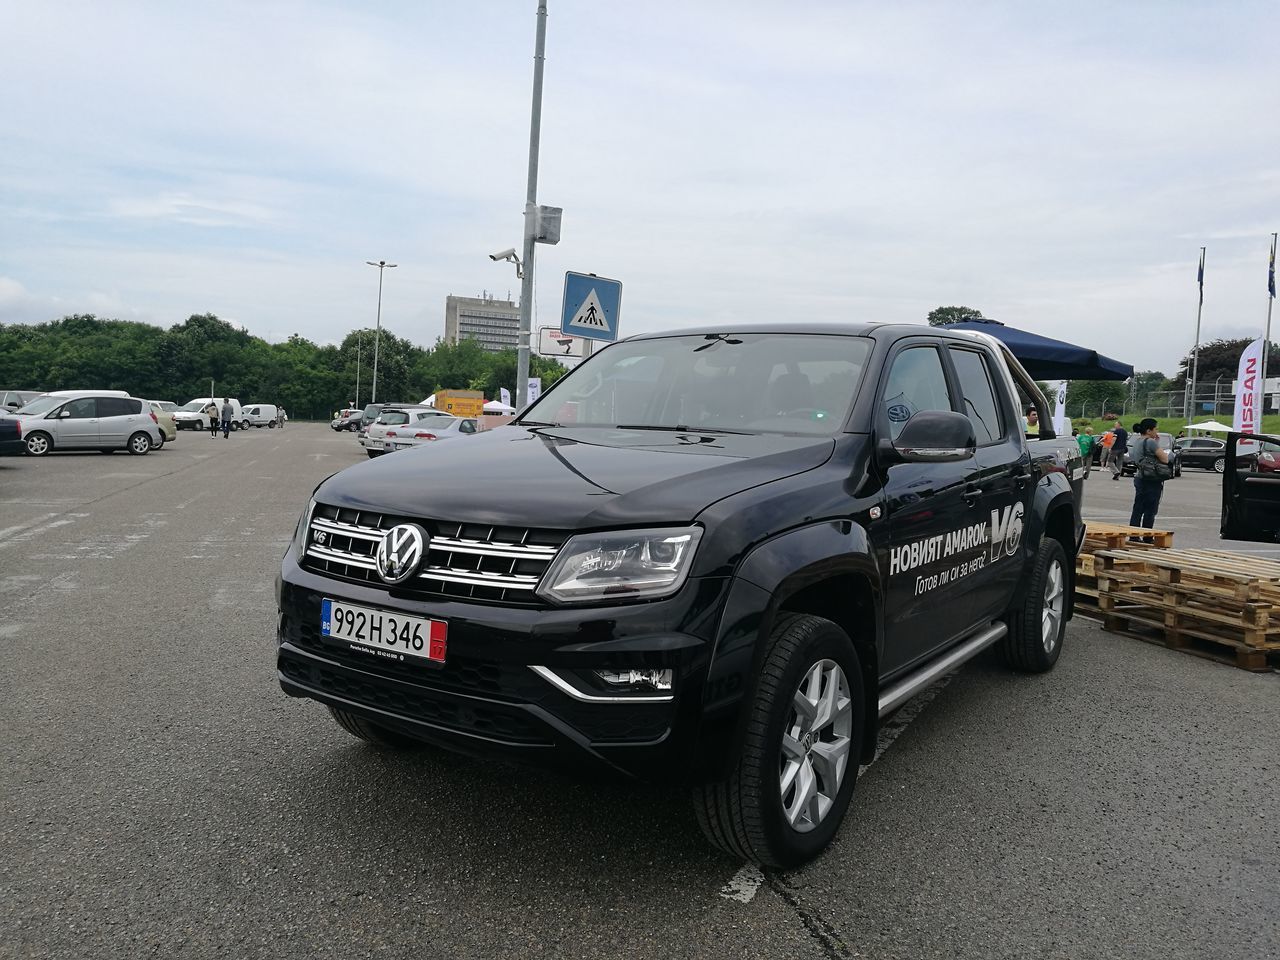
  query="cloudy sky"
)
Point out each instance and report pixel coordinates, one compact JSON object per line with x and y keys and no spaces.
{"x":1056,"y":166}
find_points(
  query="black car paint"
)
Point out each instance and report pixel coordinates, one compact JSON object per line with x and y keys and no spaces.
{"x":787,"y":521}
{"x":11,"y":443}
{"x":1250,"y":497}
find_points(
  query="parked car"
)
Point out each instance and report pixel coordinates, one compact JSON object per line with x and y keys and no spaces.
{"x":11,"y":444}
{"x":1251,"y":488}
{"x":192,"y":415}
{"x":1209,"y":453}
{"x":1130,"y":466}
{"x":11,"y":400}
{"x":164,"y":419}
{"x":718,"y":558}
{"x":168,"y":406}
{"x":374,"y":439}
{"x":261,"y":415}
{"x":423,"y":432}
{"x":89,"y":420}
{"x":348,"y":418}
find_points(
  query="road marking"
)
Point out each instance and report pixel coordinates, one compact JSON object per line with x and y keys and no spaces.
{"x":744,"y":884}
{"x":27,"y":534}
{"x":9,"y":531}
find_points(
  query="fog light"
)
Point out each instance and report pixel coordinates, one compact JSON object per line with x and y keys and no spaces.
{"x":648,"y":679}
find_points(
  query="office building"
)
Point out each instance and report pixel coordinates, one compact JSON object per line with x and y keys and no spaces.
{"x":494,"y":324}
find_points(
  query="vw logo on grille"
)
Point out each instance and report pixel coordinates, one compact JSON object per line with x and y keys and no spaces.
{"x":401,"y":551}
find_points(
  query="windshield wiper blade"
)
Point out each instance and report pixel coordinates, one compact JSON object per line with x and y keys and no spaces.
{"x":681,"y":428}
{"x":534,"y":423}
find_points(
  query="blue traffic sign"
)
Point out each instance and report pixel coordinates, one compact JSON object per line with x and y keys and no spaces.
{"x":592,"y":306}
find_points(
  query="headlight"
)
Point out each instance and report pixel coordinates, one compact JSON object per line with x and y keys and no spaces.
{"x":631,"y":565}
{"x":304,"y":525}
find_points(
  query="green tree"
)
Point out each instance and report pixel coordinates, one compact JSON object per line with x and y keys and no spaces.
{"x":1096,"y":397}
{"x":1218,"y":359}
{"x":942,"y":316}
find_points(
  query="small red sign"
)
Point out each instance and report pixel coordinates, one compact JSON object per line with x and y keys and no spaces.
{"x":436,"y":643}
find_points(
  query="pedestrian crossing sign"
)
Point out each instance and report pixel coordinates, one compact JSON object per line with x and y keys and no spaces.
{"x":591,"y":306}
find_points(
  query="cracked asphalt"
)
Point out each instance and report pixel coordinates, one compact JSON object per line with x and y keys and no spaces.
{"x":159,"y":795}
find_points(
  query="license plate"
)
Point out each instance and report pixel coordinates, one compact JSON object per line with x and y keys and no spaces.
{"x":388,"y":445}
{"x":393,"y":636}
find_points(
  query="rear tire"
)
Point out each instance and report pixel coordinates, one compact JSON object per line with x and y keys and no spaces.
{"x":371,"y":732}
{"x":373,"y":453}
{"x":1034,"y":641}
{"x":39,"y":444}
{"x":139,"y":444}
{"x":746,"y":815}
{"x":271,"y":425}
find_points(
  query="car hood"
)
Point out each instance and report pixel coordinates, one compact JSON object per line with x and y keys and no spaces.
{"x":571,"y":477}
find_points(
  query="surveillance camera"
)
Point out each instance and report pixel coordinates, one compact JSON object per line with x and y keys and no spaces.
{"x":506,"y":254}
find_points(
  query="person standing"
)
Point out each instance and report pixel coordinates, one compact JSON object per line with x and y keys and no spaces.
{"x":211,"y":411}
{"x":227,"y":414}
{"x":1107,"y":440}
{"x":1148,"y":486}
{"x":1086,"y":441}
{"x":1033,"y":422}
{"x":1119,"y":447}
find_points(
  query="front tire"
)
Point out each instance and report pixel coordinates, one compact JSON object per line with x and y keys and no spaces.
{"x":39,"y":444}
{"x":371,"y":732}
{"x":795,"y":775}
{"x":1034,"y":641}
{"x":139,"y":444}
{"x":1220,"y":465}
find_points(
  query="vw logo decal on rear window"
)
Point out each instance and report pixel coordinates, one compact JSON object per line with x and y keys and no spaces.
{"x":400,"y":552}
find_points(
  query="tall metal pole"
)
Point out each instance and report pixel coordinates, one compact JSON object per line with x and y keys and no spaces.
{"x":1266,"y":338}
{"x":377,"y":336}
{"x":530,"y":214}
{"x":359,"y":338}
{"x":1193,"y":382}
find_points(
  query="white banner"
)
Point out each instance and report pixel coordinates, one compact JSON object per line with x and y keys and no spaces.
{"x":1061,"y":425}
{"x":1248,"y":414}
{"x":535,"y":389}
{"x":504,"y":395}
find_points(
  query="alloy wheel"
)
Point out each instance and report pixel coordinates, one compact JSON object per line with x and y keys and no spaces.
{"x":815,"y":745}
{"x":1054,"y":600}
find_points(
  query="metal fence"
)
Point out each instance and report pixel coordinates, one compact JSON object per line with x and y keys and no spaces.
{"x":1211,"y":400}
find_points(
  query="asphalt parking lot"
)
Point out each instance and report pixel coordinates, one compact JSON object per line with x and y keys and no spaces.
{"x":162,"y":797}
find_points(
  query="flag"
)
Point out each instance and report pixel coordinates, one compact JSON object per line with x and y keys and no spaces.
{"x":1200,"y":277}
{"x":1271,"y":273}
{"x":1248,"y":391}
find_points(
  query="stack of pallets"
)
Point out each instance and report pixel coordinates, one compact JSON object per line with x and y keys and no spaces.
{"x":1108,"y":536}
{"x":1222,"y":606}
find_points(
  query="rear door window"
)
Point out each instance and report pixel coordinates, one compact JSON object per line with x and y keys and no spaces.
{"x":980,"y":404}
{"x":118,"y":406}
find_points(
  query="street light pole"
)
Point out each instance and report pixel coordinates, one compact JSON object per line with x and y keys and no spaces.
{"x":381,"y":265}
{"x":531,"y":214}
{"x":359,"y":338}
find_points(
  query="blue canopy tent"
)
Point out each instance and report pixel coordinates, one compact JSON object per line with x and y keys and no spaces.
{"x":1048,"y":359}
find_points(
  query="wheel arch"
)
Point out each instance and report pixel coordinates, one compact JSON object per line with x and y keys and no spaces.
{"x":826,"y":569}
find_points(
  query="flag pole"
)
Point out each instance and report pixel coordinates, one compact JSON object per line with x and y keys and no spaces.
{"x":1189,"y":399}
{"x":1266,"y":339}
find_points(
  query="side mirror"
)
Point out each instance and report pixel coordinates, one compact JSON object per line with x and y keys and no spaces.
{"x":933,"y":436}
{"x":64,"y":414}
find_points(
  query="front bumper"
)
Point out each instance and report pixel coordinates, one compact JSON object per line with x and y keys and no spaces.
{"x":487,"y":701}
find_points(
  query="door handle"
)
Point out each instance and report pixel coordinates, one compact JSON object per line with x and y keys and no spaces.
{"x":971,"y":495}
{"x":1020,"y":478}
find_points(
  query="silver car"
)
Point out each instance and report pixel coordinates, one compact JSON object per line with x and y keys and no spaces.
{"x":88,"y":420}
{"x":374,"y":439}
{"x":430,"y":431}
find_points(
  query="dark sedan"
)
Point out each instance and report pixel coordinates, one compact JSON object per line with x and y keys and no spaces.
{"x":1207,"y":453}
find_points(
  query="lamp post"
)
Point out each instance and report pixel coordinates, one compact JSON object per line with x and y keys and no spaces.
{"x":381,"y":265}
{"x":530,"y":213}
{"x":359,"y":340}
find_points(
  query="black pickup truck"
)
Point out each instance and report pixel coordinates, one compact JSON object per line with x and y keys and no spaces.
{"x":11,"y":444}
{"x":718,"y":557}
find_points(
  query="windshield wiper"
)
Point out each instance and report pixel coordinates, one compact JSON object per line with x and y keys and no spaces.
{"x":681,"y":428}
{"x":534,"y":423}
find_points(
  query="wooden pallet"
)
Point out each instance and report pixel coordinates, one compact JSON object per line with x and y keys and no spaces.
{"x":1214,"y":604}
{"x":1116,"y":536}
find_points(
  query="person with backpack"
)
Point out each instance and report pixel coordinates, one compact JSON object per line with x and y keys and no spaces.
{"x":1119,"y":447}
{"x":1152,"y":470}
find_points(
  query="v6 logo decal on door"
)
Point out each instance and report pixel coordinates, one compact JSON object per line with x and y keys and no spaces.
{"x":1006,"y":531}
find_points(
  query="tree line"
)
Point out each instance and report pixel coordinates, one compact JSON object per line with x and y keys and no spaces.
{"x":308,"y":379}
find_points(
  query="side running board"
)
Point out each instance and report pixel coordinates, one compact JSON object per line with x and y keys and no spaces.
{"x":902,"y":691}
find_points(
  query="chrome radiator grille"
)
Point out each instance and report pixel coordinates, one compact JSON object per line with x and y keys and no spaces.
{"x":465,"y":560}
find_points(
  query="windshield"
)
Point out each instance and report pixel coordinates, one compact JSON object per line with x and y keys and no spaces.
{"x":372,"y":410}
{"x":392,"y":417}
{"x":750,"y":383}
{"x":195,"y":406}
{"x":41,"y":405}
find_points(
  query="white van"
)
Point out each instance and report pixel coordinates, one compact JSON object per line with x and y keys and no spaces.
{"x":262,"y":415}
{"x":192,"y":416}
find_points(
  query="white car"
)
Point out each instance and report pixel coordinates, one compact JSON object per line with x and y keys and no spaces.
{"x":425,"y":432}
{"x":261,"y":415}
{"x":402,"y":420}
